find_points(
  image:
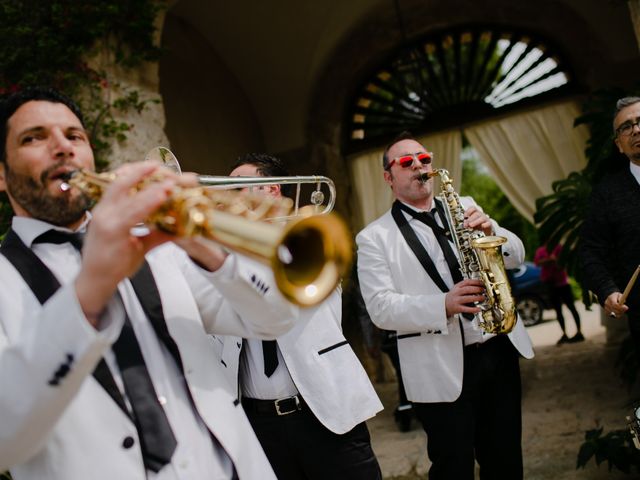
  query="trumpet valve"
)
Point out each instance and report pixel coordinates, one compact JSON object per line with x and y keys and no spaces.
{"x":317,"y":197}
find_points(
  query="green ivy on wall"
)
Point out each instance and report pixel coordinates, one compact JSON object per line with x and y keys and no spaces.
{"x":49,"y":44}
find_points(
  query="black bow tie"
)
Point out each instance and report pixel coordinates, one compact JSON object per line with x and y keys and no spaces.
{"x":58,"y":237}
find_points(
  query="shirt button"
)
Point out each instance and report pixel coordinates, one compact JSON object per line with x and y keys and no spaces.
{"x":128,"y":442}
{"x":162,"y":400}
{"x":184,"y":464}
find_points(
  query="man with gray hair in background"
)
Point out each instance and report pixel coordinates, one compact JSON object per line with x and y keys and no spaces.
{"x":609,"y":249}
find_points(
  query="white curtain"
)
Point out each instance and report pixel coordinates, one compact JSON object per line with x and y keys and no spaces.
{"x":372,"y":196}
{"x":527,"y":152}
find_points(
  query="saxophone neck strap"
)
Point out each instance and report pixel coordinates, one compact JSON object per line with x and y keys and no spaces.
{"x":414,"y":244}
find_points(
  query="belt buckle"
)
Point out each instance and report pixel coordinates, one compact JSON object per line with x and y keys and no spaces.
{"x":277,"y":404}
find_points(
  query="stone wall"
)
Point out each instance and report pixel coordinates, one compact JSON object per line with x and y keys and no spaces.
{"x":147,"y":127}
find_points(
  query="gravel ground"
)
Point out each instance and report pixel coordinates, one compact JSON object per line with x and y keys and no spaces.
{"x":567,"y":390}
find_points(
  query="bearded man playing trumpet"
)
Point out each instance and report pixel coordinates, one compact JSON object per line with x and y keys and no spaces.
{"x":106,"y":367}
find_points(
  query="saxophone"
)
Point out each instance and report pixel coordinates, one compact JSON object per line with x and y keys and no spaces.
{"x":480,"y":258}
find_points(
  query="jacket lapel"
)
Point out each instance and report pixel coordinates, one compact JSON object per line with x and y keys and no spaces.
{"x":416,"y":247}
{"x":632,"y":183}
{"x":44,"y":284}
{"x":147,"y":292}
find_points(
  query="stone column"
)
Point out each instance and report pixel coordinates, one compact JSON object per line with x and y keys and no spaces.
{"x":147,"y":126}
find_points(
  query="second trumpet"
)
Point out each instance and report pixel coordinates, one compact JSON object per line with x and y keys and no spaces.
{"x":319,"y":203}
{"x":307,"y":255}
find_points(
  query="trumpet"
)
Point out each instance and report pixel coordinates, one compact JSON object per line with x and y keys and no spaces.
{"x":308,"y":255}
{"x":316,"y":202}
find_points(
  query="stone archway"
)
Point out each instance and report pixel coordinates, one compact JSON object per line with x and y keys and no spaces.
{"x":377,"y":38}
{"x":210,"y":121}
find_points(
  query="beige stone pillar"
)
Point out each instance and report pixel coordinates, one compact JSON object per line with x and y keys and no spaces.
{"x":147,"y":126}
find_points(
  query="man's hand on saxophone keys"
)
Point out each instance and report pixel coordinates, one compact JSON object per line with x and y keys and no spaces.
{"x":463,"y":296}
{"x":478,"y":220}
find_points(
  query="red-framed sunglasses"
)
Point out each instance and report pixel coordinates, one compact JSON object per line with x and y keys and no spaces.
{"x":406,"y":161}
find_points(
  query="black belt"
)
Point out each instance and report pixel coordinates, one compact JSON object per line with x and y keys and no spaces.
{"x":274,"y":408}
{"x":492,"y":342}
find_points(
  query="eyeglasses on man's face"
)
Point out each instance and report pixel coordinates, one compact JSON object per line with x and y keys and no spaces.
{"x":627,"y":127}
{"x":406,"y":161}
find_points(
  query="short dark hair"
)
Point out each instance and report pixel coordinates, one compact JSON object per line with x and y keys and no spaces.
{"x":405,"y":135}
{"x":13,"y":102}
{"x":267,"y":166}
{"x":620,"y":104}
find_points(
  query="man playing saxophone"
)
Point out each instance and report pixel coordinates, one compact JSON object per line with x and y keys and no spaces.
{"x":464,"y":382}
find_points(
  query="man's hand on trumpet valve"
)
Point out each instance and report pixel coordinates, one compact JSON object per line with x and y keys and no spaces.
{"x":111,"y":251}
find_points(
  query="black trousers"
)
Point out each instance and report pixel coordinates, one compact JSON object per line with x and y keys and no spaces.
{"x":299,"y":447}
{"x":484,"y":423}
{"x":633,"y":320}
{"x":563,"y":295}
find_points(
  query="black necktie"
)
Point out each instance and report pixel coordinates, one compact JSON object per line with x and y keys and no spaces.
{"x":156,"y":437}
{"x":157,"y":440}
{"x":58,"y":237}
{"x":442,"y":236}
{"x":270,"y":356}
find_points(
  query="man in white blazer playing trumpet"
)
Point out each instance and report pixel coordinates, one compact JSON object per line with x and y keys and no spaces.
{"x":106,"y":367}
{"x":464,"y":383}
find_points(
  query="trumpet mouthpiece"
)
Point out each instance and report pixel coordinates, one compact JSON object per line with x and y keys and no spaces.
{"x":65,"y":177}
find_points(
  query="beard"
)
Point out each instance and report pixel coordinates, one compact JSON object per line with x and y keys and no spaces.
{"x":35,"y":198}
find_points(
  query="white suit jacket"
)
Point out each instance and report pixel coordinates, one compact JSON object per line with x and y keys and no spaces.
{"x":400,"y":295}
{"x":74,"y":430}
{"x":323,"y":367}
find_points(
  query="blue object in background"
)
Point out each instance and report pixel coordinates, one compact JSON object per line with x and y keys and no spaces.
{"x":531,"y":295}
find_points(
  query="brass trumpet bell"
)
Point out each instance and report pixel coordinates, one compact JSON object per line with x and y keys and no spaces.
{"x":308,"y":255}
{"x":312,"y":254}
